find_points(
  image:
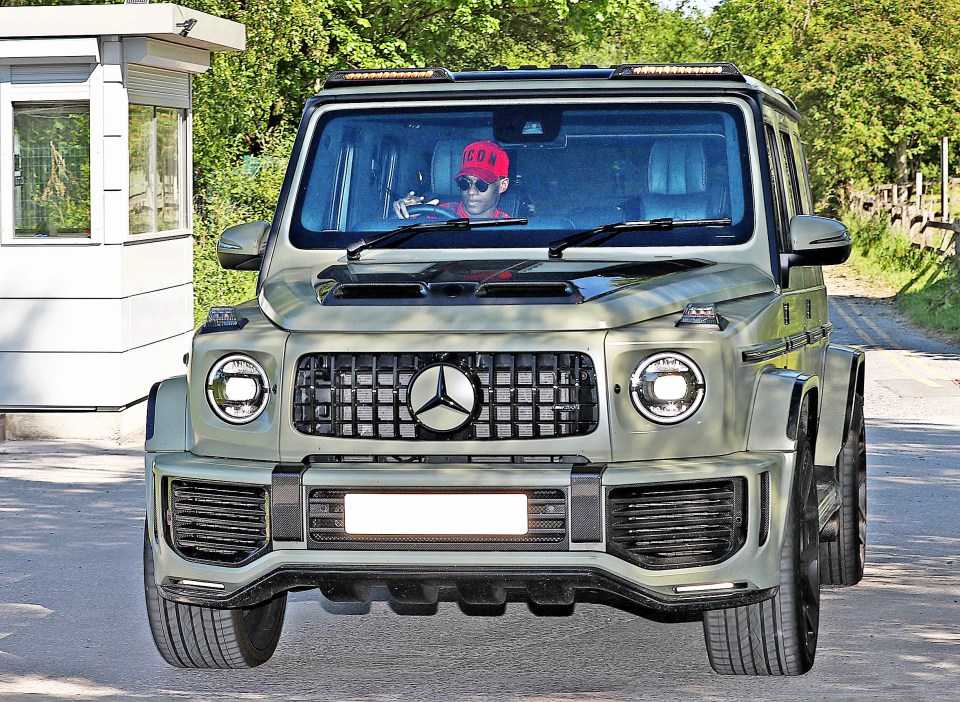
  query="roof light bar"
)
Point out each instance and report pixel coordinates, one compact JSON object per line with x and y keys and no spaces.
{"x":679,"y":70}
{"x":401,"y":75}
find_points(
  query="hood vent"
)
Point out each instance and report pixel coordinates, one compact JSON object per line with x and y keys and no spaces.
{"x":380,"y":291}
{"x":524,"y":289}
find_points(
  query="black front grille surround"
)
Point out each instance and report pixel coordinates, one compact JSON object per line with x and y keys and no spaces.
{"x":546,"y":525}
{"x":219,"y":523}
{"x":677,"y":525}
{"x":532,"y":395}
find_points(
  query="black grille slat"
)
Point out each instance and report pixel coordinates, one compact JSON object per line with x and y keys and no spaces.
{"x":546,"y":529}
{"x":218,"y":523}
{"x":677,"y":525}
{"x":517,"y":399}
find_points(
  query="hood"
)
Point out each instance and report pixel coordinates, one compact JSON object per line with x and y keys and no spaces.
{"x":491,"y":296}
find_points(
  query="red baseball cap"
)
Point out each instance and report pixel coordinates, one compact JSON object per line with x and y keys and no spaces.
{"x":485,"y":160}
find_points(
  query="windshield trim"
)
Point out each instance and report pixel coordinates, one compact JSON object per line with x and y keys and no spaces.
{"x":283,"y":253}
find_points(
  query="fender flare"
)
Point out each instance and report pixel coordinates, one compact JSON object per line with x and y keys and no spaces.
{"x":843,"y":377}
{"x":168,"y":416}
{"x":777,"y":403}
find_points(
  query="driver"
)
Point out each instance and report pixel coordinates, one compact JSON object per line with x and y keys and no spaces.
{"x":482,"y":179}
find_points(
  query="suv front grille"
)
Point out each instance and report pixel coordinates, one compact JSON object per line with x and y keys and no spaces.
{"x":546,"y":527}
{"x":677,"y":525}
{"x":520,"y":395}
{"x":218,"y":522}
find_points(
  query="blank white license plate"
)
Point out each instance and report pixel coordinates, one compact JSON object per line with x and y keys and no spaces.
{"x":435,"y":514}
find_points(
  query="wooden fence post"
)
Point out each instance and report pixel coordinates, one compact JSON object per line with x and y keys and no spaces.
{"x":945,"y":181}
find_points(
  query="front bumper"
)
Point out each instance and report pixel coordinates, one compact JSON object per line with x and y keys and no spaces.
{"x":579,"y":568}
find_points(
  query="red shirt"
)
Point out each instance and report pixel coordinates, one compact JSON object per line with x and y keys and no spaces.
{"x":458,"y":208}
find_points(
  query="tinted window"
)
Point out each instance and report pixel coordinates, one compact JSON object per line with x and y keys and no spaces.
{"x":806,"y":196}
{"x":789,"y":168}
{"x":569,"y":169}
{"x":776,"y":183}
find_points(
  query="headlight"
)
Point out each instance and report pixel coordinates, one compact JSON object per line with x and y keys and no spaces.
{"x":237,"y":389}
{"x":667,"y":388}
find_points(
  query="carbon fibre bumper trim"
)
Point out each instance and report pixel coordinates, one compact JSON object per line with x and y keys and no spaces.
{"x":528,"y":581}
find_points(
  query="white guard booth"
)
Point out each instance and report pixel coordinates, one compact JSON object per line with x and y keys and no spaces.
{"x":96,"y":273}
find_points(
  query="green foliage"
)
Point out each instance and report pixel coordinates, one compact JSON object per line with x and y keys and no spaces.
{"x":243,"y":194}
{"x":929,"y":286}
{"x":878,"y":81}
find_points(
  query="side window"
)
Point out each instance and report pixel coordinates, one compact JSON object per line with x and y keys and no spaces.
{"x":776,"y":185}
{"x":791,"y":184}
{"x":51,"y":169}
{"x":156,"y":169}
{"x":804,"y":174}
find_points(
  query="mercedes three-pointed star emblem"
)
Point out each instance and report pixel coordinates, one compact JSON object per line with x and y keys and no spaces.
{"x":441,"y":398}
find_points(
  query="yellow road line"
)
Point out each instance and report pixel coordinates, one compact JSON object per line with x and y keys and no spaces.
{"x":892,"y":357}
{"x":929,"y":369}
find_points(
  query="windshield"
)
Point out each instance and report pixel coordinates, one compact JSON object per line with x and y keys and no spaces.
{"x":564,"y":168}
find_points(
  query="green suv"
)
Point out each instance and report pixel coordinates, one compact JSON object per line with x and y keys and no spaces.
{"x":536,"y":335}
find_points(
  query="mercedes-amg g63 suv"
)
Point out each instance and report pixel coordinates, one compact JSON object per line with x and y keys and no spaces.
{"x":536,"y":335}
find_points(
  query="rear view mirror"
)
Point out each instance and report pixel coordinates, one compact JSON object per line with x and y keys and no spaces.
{"x":240,"y":248}
{"x":818,"y":241}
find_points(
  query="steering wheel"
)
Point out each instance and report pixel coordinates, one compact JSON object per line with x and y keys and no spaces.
{"x":433,"y":210}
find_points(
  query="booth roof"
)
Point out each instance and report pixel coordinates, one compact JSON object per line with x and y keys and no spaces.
{"x":171,"y":23}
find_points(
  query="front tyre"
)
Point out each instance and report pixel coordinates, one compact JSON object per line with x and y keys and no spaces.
{"x":190,"y":636}
{"x":778,"y":636}
{"x":842,"y":560}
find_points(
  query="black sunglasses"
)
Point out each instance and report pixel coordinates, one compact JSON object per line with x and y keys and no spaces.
{"x":481,"y":185}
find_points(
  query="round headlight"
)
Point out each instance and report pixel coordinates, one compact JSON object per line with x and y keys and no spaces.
{"x":666,"y":388}
{"x":237,"y":389}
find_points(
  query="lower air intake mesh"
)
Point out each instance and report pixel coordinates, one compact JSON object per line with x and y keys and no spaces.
{"x":677,"y":525}
{"x":223,"y":523}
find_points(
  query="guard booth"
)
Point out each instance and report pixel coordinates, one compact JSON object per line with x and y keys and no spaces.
{"x":96,"y":247}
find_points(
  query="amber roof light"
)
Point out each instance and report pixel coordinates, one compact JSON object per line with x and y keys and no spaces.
{"x":389,"y":75}
{"x":679,"y":70}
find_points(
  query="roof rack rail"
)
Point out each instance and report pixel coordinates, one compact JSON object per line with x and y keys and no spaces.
{"x":786,"y":97}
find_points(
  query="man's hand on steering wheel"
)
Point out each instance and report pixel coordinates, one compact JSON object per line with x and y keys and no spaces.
{"x":411,"y":204}
{"x":432,"y":210}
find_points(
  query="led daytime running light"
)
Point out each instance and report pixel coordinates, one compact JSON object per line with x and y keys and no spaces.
{"x":677,"y":377}
{"x":237,"y":389}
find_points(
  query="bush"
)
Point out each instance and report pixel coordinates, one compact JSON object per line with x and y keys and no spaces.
{"x":247,"y":193}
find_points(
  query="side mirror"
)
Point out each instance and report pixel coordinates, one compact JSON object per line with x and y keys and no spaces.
{"x":818,"y":241}
{"x":240,"y":248}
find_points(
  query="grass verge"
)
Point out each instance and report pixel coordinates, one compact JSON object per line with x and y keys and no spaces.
{"x":928,"y":286}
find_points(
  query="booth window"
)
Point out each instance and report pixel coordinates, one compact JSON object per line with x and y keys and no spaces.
{"x":51,"y":169}
{"x":156,"y":161}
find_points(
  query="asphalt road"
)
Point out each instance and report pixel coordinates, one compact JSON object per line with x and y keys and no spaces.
{"x":72,"y":622}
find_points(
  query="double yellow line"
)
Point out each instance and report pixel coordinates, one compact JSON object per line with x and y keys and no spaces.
{"x":921,"y":371}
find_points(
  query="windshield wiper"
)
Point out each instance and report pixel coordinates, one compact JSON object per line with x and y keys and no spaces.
{"x":606,"y":232}
{"x":399,"y":235}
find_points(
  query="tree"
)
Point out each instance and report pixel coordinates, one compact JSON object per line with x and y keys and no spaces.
{"x":878,"y":81}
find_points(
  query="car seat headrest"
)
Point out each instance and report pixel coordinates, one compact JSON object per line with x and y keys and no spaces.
{"x":447,"y":156}
{"x":677,"y":167}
